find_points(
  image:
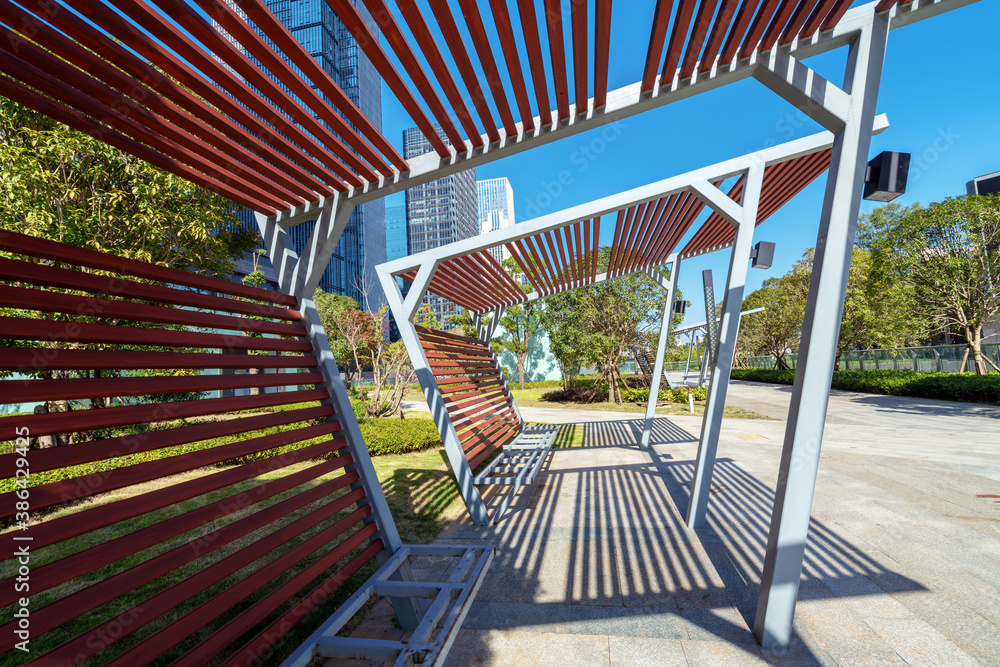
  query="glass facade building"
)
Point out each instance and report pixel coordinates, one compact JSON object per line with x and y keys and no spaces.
{"x":351,"y":270}
{"x":439,"y":212}
{"x":496,"y":210}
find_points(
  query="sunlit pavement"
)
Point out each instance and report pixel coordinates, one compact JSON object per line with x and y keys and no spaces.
{"x":595,"y":566}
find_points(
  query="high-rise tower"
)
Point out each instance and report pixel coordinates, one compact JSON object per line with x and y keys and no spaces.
{"x":439,"y":212}
{"x":496,"y":210}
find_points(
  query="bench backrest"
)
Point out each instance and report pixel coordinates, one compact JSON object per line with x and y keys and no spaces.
{"x":475,"y":394}
{"x":159,"y":515}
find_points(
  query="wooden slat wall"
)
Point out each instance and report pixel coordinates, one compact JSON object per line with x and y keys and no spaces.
{"x":198,"y":530}
{"x":472,"y":385}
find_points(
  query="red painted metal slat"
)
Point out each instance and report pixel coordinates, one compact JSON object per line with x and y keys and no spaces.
{"x":818,"y":14}
{"x":14,"y":328}
{"x":252,"y":43}
{"x":526,"y":268}
{"x":274,"y":633}
{"x":16,"y":297}
{"x":783,"y":18}
{"x":50,"y":276}
{"x":699,"y":32}
{"x":418,"y":26}
{"x":602,"y":51}
{"x":557,"y":53}
{"x":175,"y":38}
{"x":585,"y":251}
{"x":723,"y":20}
{"x":501,"y":19}
{"x":67,"y":422}
{"x":624,"y":255}
{"x":581,"y":253}
{"x":758,"y":26}
{"x":678,"y":34}
{"x":481,"y":42}
{"x":33,"y":100}
{"x":547,"y":264}
{"x":387,"y":24}
{"x":369,"y":43}
{"x":62,"y":570}
{"x":512,"y":288}
{"x":289,"y":46}
{"x":664,"y":226}
{"x":616,"y":244}
{"x":532,"y":44}
{"x":657,"y":35}
{"x":736,"y":33}
{"x":456,"y":44}
{"x":50,"y":458}
{"x":837,"y":13}
{"x":641,"y":253}
{"x":555,"y":249}
{"x":452,"y":277}
{"x":33,"y":246}
{"x":596,"y":251}
{"x":445,"y":284}
{"x":676,"y":205}
{"x":487,"y":281}
{"x":578,"y":16}
{"x":529,"y":261}
{"x":76,"y":54}
{"x":884,"y":5}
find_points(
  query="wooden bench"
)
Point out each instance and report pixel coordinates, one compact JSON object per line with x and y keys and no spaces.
{"x":232,"y":518}
{"x":483,"y":413}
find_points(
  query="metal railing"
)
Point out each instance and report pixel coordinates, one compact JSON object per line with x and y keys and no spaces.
{"x":927,"y":359}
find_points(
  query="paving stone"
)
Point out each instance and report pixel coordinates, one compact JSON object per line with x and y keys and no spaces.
{"x":628,"y":622}
{"x":524,"y":617}
{"x":920,"y":644}
{"x":646,"y":652}
{"x":713,"y":653}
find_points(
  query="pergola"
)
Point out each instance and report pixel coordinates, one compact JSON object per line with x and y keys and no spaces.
{"x":223,"y":95}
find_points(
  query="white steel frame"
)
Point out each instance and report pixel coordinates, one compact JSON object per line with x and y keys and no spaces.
{"x":849,"y":115}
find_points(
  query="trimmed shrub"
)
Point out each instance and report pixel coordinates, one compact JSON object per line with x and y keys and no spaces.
{"x":399,"y":436}
{"x":576,"y":395}
{"x":678,"y":395}
{"x":939,"y":386}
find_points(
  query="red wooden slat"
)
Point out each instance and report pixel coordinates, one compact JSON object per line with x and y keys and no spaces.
{"x":617,"y":242}
{"x":49,"y":330}
{"x":596,"y":251}
{"x":657,"y":35}
{"x":642,"y":247}
{"x":532,"y":258}
{"x":782,"y":19}
{"x":678,"y":34}
{"x":26,"y":391}
{"x":418,"y":26}
{"x":798,"y":20}
{"x":455,"y":338}
{"x":837,"y":13}
{"x":32,"y":358}
{"x":723,"y":20}
{"x":78,"y":121}
{"x":602,"y":51}
{"x":68,"y":422}
{"x":585,"y":251}
{"x":50,"y":276}
{"x":821,"y":11}
{"x":557,"y":53}
{"x":699,"y":33}
{"x":532,"y":44}
{"x":369,"y":43}
{"x":501,"y":19}
{"x":760,"y":22}
{"x":286,"y":43}
{"x":387,"y":24}
{"x":578,"y":16}
{"x":51,"y":458}
{"x":481,"y":42}
{"x":62,"y":570}
{"x":737,"y":32}
{"x":884,"y":5}
{"x":556,"y":250}
{"x":456,"y":44}
{"x":528,"y":265}
{"x":272,"y":634}
{"x":32,"y":246}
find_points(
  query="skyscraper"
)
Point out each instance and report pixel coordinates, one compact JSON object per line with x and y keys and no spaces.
{"x":496,"y":210}
{"x":351,"y":270}
{"x":439,"y":212}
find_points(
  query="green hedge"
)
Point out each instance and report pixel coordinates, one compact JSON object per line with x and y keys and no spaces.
{"x":399,"y":436}
{"x":940,"y":386}
{"x":678,"y":395}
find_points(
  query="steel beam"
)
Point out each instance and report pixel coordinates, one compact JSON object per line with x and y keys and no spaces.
{"x":789,"y":526}
{"x":661,"y":348}
{"x":724,"y":350}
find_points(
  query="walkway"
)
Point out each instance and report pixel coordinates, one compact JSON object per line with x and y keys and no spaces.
{"x":595,"y":567}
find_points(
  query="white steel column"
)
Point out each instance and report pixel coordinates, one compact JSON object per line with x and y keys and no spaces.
{"x":405,"y":312}
{"x":722,"y":357}
{"x":789,"y":527}
{"x":661,"y":348}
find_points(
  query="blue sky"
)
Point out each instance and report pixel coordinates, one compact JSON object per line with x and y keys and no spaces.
{"x":942,"y":101}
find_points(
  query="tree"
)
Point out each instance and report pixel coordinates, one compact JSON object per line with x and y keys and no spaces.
{"x":776,"y":330}
{"x":333,"y":310}
{"x":392,"y":372}
{"x":601,"y":322}
{"x":949,"y":255}
{"x":61,"y":184}
{"x":521,"y":324}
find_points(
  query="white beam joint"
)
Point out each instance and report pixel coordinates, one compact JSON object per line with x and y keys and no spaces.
{"x":809,"y":92}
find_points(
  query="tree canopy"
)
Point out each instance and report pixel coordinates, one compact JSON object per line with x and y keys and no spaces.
{"x":948,"y":255}
{"x":64,"y":185}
